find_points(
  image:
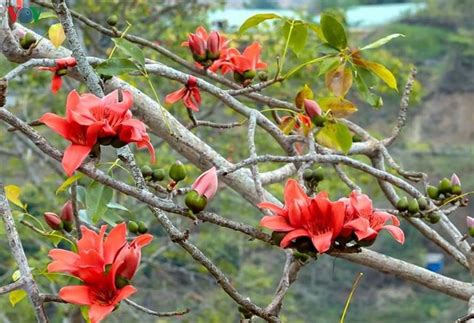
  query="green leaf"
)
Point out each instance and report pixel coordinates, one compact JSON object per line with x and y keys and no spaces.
{"x":97,"y":198}
{"x":55,"y":238}
{"x":383,"y":73}
{"x":333,"y":31}
{"x":81,"y":195}
{"x":256,"y":20}
{"x":339,"y":107}
{"x":131,"y":50}
{"x":116,"y":206}
{"x":328,"y":64}
{"x":47,"y":15}
{"x":381,"y":41}
{"x":85,"y":313}
{"x":297,"y":68}
{"x":68,"y":182}
{"x":16,"y":296}
{"x":364,"y":91}
{"x":111,"y":218}
{"x":319,"y":32}
{"x":116,"y":66}
{"x":298,"y":37}
{"x":336,"y":136}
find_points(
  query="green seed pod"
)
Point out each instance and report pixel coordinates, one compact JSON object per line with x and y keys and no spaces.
{"x":402,"y":204}
{"x":142,"y":227}
{"x":432,"y":192}
{"x":146,"y":171}
{"x":434,"y":217}
{"x":249,"y":75}
{"x":159,"y":174}
{"x":132,"y":227}
{"x":277,"y":237}
{"x":413,"y":206}
{"x":112,"y":20}
{"x":456,"y":189}
{"x":318,"y":174}
{"x":308,"y":174}
{"x":177,"y":171}
{"x":471,"y":232}
{"x":195,"y":202}
{"x":423,"y":203}
{"x":262,"y":76}
{"x":444,"y":186}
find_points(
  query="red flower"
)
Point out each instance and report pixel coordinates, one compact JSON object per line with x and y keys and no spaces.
{"x":89,"y":118}
{"x":364,"y":222}
{"x":104,"y":265}
{"x":189,"y":94}
{"x":59,"y":71}
{"x":249,"y":60}
{"x":205,"y":47}
{"x":206,"y":184}
{"x":316,"y":218}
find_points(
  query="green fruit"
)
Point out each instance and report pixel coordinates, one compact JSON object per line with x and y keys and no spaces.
{"x":413,"y":206}
{"x":112,"y":20}
{"x":423,"y":203}
{"x":432,"y":192}
{"x":142,"y":227}
{"x":402,"y":204}
{"x":195,"y":202}
{"x":308,"y":174}
{"x":434,"y":217}
{"x":444,"y":186}
{"x":177,"y":171}
{"x":471,"y":231}
{"x":319,"y":121}
{"x":318,"y":174}
{"x":262,"y":76}
{"x":456,"y":189}
{"x":146,"y":171}
{"x":159,"y":174}
{"x":277,"y":237}
{"x":249,"y":75}
{"x":132,"y":227}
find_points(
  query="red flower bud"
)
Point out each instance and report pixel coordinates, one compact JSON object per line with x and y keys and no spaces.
{"x":53,"y":221}
{"x":67,"y":214}
{"x":197,"y":45}
{"x":455,"y":180}
{"x":312,"y":108}
{"x":214,"y":44}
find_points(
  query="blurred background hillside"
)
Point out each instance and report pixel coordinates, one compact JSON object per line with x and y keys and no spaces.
{"x":438,"y":139}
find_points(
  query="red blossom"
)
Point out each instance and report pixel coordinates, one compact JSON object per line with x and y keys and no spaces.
{"x":364,"y":222}
{"x":89,"y":118}
{"x":249,"y":60}
{"x":100,"y":263}
{"x":59,"y":71}
{"x":205,"y":47}
{"x":189,"y":94}
{"x":316,"y":218}
{"x":206,"y":184}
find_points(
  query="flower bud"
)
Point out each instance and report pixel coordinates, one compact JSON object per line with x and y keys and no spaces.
{"x":214,"y":44}
{"x":262,"y":76}
{"x":206,"y":184}
{"x":308,"y":174}
{"x":249,"y":75}
{"x":177,"y":171}
{"x":27,"y":40}
{"x":312,"y":108}
{"x":142,"y":227}
{"x":318,"y":174}
{"x":455,"y":180}
{"x":432,"y":192}
{"x":413,"y":206}
{"x":195,"y":202}
{"x":423,"y":203}
{"x":53,"y":221}
{"x":456,"y":185}
{"x":197,"y":45}
{"x":132,"y":227}
{"x":112,"y":20}
{"x":158,"y":174}
{"x":67,"y":213}
{"x":470,"y":225}
{"x":434,"y":217}
{"x":444,"y":186}
{"x":146,"y":171}
{"x":402,"y":204}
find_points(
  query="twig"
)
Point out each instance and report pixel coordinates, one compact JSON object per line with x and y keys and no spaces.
{"x":154,"y":313}
{"x":253,"y":154}
{"x":12,"y":286}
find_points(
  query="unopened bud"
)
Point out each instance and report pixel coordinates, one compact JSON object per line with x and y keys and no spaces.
{"x":249,"y":75}
{"x":432,"y":192}
{"x":262,"y":76}
{"x":177,"y":171}
{"x":142,"y":227}
{"x":444,"y":186}
{"x":413,"y":206}
{"x":112,"y":20}
{"x":146,"y":171}
{"x":195,"y":202}
{"x":53,"y":221}
{"x":402,"y":204}
{"x":67,"y":213}
{"x":158,"y":174}
{"x":132,"y":227}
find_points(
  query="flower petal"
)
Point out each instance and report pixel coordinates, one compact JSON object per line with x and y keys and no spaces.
{"x":396,"y":233}
{"x":276,"y":223}
{"x":124,"y":293}
{"x":56,"y":123}
{"x":98,"y":312}
{"x":73,"y":157}
{"x":77,"y":294}
{"x":116,"y":239}
{"x":322,"y":242}
{"x":293,"y":235}
{"x":175,"y":96}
